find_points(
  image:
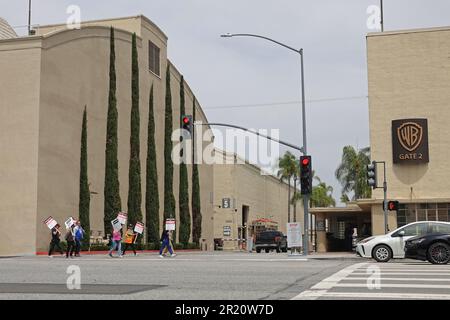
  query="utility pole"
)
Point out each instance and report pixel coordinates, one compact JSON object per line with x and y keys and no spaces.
{"x":29,"y":17}
{"x":382,"y":17}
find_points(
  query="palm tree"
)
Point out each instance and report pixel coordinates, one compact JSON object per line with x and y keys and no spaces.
{"x":352,"y":173}
{"x":287,"y":165}
{"x":322,"y":195}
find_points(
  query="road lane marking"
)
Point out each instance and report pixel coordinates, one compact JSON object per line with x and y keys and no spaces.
{"x":312,"y":295}
{"x":398,"y":279}
{"x":394,"y":285}
{"x":409,"y":273}
{"x":331,"y":281}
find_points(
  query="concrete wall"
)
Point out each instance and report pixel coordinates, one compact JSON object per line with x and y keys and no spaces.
{"x":20,"y":68}
{"x":378,"y":220}
{"x":46,"y":127}
{"x":409,"y":78}
{"x":265,"y":195}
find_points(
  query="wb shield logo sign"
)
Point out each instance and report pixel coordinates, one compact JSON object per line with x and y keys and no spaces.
{"x":410,"y":135}
{"x":410,"y":140}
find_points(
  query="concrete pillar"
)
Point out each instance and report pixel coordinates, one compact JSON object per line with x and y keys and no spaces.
{"x":321,"y":235}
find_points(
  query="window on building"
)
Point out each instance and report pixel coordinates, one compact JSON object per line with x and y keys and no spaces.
{"x":153,"y":58}
{"x":413,"y":212}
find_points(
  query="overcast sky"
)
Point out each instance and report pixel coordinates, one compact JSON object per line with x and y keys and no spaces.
{"x":247,"y":81}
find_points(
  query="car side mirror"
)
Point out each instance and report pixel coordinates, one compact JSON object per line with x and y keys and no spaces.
{"x":401,"y":233}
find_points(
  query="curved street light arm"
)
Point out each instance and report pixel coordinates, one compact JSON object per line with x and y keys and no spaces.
{"x":262,"y":37}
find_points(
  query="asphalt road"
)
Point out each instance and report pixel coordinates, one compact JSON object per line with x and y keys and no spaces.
{"x":402,"y":279}
{"x":203,"y":276}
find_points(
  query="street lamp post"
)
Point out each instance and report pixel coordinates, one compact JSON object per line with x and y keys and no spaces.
{"x":305,"y":152}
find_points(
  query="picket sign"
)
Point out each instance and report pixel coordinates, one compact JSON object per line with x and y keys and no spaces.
{"x":122,"y":216}
{"x":50,"y":222}
{"x":69,"y":223}
{"x":139,"y":228}
{"x":116,"y":224}
{"x":170,"y":224}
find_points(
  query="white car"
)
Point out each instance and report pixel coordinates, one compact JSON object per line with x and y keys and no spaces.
{"x":385,"y":247}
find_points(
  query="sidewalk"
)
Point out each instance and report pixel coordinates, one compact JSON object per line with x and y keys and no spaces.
{"x":334,"y":256}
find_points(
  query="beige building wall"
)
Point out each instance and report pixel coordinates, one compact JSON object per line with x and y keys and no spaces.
{"x":75,"y":74}
{"x":245,"y":185}
{"x":409,"y":78}
{"x":20,"y":65}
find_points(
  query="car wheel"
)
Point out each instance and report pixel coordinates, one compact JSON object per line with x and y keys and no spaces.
{"x":438,"y":253}
{"x":382,"y":253}
{"x":267,"y":250}
{"x":258,"y":250}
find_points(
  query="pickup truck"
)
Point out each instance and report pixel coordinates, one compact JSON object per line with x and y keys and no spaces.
{"x":271,"y":240}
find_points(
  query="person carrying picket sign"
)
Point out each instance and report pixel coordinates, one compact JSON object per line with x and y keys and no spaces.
{"x":55,"y":242}
{"x":116,"y":242}
{"x":165,"y":239}
{"x":130,"y":239}
{"x":170,"y":244}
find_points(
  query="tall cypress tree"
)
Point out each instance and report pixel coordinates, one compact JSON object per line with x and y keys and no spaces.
{"x":151,"y":191}
{"x":134,"y":173}
{"x":169,"y":198}
{"x":112,"y":200}
{"x":85,"y":195}
{"x":196,"y":203}
{"x":183,"y":191}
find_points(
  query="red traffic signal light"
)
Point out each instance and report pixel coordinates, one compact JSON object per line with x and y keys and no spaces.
{"x":392,"y":205}
{"x":187,"y":125}
{"x":306,"y":175}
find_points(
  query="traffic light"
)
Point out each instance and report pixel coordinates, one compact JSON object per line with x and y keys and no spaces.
{"x":372,"y":175}
{"x":187,"y":124}
{"x":306,"y":175}
{"x":392,"y":205}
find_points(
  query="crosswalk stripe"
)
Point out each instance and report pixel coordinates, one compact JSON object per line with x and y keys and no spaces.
{"x":409,"y":273}
{"x":409,"y":270}
{"x":398,"y":279}
{"x":312,"y":295}
{"x":331,"y":281}
{"x":394,"y":285}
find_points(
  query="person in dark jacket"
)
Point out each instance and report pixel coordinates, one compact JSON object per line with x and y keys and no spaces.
{"x":130,"y":239}
{"x":165,"y":243}
{"x":70,"y":239}
{"x":55,"y":242}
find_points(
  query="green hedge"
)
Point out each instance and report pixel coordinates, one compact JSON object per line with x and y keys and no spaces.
{"x":148,"y":246}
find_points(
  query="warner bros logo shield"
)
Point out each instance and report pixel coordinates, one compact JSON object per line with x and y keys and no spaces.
{"x":410,"y":141}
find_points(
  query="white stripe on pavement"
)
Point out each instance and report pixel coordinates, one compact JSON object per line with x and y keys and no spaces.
{"x":409,"y":273}
{"x":330,"y":282}
{"x":312,"y":295}
{"x":394,"y":285}
{"x":397,"y":279}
